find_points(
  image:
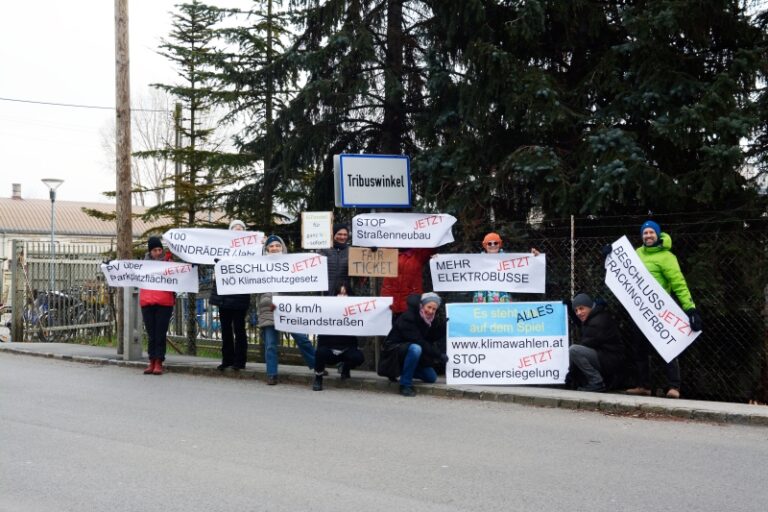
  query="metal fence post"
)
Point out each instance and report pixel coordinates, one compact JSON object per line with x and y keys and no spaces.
{"x":131,"y":325}
{"x":17,"y":292}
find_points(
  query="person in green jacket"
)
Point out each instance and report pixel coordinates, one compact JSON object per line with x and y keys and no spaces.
{"x":656,"y":254}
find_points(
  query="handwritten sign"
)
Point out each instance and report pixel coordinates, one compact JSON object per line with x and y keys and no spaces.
{"x":507,"y":343}
{"x":380,"y":263}
{"x":316,"y":230}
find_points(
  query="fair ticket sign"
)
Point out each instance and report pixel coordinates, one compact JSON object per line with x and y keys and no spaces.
{"x":659,"y":317}
{"x":507,"y":343}
{"x":369,"y":263}
{"x":316,"y":230}
{"x":151,"y":275}
{"x":503,"y":272}
{"x":203,"y":246}
{"x":402,"y":230}
{"x":352,"y":316}
{"x":299,"y":272}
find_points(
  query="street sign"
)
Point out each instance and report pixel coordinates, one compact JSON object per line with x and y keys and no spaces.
{"x":372,"y":181}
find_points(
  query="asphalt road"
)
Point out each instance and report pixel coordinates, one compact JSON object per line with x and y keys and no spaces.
{"x":75,"y":437}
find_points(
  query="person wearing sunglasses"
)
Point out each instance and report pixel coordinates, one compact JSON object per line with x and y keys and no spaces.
{"x":492,"y":244}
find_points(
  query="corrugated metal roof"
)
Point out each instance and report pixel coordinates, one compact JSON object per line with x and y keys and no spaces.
{"x":33,"y":216}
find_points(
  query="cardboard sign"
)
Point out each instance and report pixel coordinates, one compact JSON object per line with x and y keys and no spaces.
{"x":502,"y":272}
{"x":507,"y":343}
{"x":317,"y":230}
{"x":364,"y":262}
{"x":659,"y":317}
{"x":351,"y":316}
{"x":167,"y":276}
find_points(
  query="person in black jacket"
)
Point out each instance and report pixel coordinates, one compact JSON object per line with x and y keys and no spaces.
{"x":600,"y":355}
{"x":415,"y":337}
{"x":336,"y":348}
{"x":232,"y":311}
{"x":338,"y":258}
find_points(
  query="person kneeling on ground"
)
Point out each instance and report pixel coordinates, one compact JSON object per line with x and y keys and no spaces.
{"x":414,"y":339}
{"x":336,"y":348}
{"x":600,"y":355}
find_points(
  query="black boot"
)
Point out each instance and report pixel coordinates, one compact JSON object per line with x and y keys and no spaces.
{"x":317,"y":385}
{"x":344,"y":372}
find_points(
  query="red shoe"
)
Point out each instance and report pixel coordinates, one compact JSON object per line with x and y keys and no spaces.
{"x":158,"y":367}
{"x":150,"y":369}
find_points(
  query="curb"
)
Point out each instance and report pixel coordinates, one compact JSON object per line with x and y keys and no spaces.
{"x":588,"y":403}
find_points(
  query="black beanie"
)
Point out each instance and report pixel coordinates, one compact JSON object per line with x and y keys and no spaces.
{"x":339,"y":226}
{"x":582,"y":299}
{"x":154,"y":241}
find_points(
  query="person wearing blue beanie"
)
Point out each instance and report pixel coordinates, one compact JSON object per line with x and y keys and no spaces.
{"x":656,"y":254}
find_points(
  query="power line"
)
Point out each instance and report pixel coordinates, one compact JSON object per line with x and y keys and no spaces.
{"x":73,"y":105}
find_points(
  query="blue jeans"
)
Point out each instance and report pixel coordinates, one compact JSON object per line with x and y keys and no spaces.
{"x":270,"y":336}
{"x":411,"y":368}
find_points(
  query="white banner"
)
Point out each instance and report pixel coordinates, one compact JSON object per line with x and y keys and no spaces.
{"x":353,"y":316}
{"x":298,"y":272}
{"x":402,"y":230}
{"x":507,"y":343}
{"x":202,"y":246}
{"x":151,"y":275}
{"x":659,"y":317}
{"x":502,"y":272}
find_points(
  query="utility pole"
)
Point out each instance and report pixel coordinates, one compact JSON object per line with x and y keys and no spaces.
{"x":177,"y":164}
{"x":123,"y":150}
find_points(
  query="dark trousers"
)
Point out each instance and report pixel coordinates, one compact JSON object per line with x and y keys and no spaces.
{"x":643,"y":352}
{"x":352,"y":358}
{"x":156,"y":321}
{"x":234,"y":349}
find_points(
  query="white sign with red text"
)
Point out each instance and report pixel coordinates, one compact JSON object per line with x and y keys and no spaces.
{"x":502,"y":272}
{"x":402,"y":230}
{"x":203,"y":246}
{"x":659,"y":317}
{"x":352,"y":316}
{"x":298,"y":272}
{"x":151,"y":275}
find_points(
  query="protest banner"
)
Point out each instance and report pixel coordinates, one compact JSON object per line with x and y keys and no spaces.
{"x":404,"y":230}
{"x":379,"y":263}
{"x":507,"y":343}
{"x":352,"y":316}
{"x":167,"y":276}
{"x":316,"y":230}
{"x":654,"y":312}
{"x":299,"y":272}
{"x":502,"y":272}
{"x":202,"y":246}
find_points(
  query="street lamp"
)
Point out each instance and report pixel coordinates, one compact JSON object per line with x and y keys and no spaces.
{"x":52,"y":184}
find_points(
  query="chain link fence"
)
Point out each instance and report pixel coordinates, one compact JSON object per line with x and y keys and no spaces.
{"x":725,"y":265}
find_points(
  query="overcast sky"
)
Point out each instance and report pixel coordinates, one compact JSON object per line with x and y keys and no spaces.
{"x":63,"y":52}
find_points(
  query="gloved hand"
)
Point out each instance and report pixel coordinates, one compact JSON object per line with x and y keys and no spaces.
{"x":606,"y":250}
{"x":373,"y":249}
{"x":444,"y":358}
{"x":215,"y":260}
{"x":694,"y":319}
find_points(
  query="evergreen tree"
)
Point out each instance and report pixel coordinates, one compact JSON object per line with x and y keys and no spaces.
{"x":590,"y":107}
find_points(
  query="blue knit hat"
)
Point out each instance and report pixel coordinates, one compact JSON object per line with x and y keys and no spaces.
{"x":650,"y":224}
{"x":272,"y":238}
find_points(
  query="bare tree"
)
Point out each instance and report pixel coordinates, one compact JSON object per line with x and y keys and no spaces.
{"x":152,"y":127}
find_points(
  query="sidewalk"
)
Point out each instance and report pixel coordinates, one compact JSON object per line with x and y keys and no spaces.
{"x":611,"y":403}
